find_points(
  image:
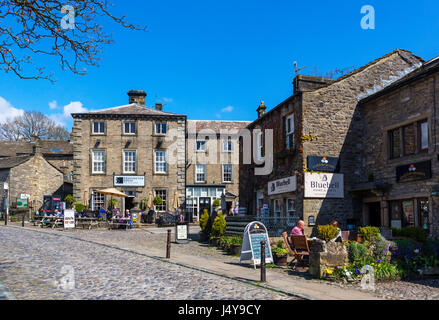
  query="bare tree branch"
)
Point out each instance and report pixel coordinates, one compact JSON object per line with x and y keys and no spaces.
{"x":30,"y":29}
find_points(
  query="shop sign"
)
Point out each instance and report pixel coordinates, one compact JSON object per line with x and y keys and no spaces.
{"x":414,"y":171}
{"x":282,"y":185}
{"x":325,"y":164}
{"x":129,"y":181}
{"x":69,"y":219}
{"x":22,"y":203}
{"x":181,"y":232}
{"x":324,"y":185}
{"x":254,"y":233}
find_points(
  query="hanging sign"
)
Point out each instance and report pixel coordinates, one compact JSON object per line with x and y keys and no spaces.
{"x":324,"y":185}
{"x":22,"y":203}
{"x":282,"y":185}
{"x":69,"y":219}
{"x":414,"y":171}
{"x":326,"y":164}
{"x":254,"y":233}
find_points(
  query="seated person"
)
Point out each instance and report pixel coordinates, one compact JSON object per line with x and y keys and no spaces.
{"x":297,"y":231}
{"x":338,"y":237}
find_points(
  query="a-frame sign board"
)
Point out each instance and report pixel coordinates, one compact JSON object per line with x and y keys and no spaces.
{"x":254,"y":233}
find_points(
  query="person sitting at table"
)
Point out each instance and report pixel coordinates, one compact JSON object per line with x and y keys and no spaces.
{"x":296,"y":231}
{"x":127,"y":214}
{"x":180,"y":216}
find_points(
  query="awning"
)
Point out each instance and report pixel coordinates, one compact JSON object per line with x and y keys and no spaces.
{"x":112,"y":192}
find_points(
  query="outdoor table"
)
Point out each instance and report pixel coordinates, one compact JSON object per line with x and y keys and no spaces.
{"x":52,"y":221}
{"x":117,"y":222}
{"x":87,"y":221}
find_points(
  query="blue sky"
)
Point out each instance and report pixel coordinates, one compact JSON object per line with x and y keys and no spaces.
{"x":219,"y":59}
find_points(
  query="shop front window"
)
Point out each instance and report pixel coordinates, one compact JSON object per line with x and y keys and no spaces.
{"x":403,"y":213}
{"x":290,"y":208}
{"x":276,"y":209}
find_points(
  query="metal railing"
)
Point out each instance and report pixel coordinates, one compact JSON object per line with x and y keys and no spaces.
{"x":277,"y":225}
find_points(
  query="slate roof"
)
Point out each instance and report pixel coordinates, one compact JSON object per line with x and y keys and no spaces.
{"x":11,"y":162}
{"x":48,"y":147}
{"x":216,"y":125}
{"x":129,"y":109}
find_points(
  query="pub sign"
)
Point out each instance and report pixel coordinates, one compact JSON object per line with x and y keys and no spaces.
{"x":325,"y":164}
{"x":414,"y":171}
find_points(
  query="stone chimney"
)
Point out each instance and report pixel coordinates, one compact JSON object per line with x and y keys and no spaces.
{"x":36,"y":144}
{"x":261,"y":109}
{"x":159,"y":106}
{"x":137,"y":97}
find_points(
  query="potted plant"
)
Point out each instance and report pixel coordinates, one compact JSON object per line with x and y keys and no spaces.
{"x":280,"y":255}
{"x":235,"y":245}
{"x":69,"y":199}
{"x":205,"y":226}
{"x":218,"y":229}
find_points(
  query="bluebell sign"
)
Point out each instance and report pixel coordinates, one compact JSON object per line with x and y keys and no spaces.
{"x":323,"y":164}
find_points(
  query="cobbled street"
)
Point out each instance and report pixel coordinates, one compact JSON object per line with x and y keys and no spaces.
{"x":38,"y":266}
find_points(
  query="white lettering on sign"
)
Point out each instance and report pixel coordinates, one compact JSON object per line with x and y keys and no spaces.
{"x":282,"y":185}
{"x":324,"y":185}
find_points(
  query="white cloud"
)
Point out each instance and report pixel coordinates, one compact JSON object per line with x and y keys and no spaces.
{"x":53,"y":105}
{"x":227,"y":109}
{"x":167,"y":100}
{"x":7,"y":111}
{"x":64,"y":118}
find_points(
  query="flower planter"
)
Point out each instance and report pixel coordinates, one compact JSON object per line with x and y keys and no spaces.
{"x":215,"y":242}
{"x":235,"y":249}
{"x":203,"y":237}
{"x":280,"y":261}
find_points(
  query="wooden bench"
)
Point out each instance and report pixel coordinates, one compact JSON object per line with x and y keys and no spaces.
{"x":116,"y":225}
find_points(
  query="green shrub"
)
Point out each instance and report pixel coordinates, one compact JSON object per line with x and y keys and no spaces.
{"x":358,"y":254}
{"x":219,"y":226}
{"x":280,"y":244}
{"x":236,"y":240}
{"x":113,"y":203}
{"x":327,"y":232}
{"x":415,"y":233}
{"x":205,"y":222}
{"x":69,"y":199}
{"x":216,"y":203}
{"x":280,"y":252}
{"x":369,"y":233}
{"x":157,"y":201}
{"x":79,"y":206}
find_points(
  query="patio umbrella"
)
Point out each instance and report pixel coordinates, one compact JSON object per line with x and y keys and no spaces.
{"x":112,"y":192}
{"x":223,"y":203}
{"x":150,"y":200}
{"x":176,"y":200}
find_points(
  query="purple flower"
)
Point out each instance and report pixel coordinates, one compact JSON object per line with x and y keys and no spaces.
{"x":357,"y":271}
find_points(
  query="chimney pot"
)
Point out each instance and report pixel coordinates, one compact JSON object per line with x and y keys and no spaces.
{"x":137,"y":97}
{"x":159,"y":106}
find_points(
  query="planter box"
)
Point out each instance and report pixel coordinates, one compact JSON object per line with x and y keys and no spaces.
{"x":325,"y":255}
{"x":431,"y":271}
{"x":235,"y":249}
{"x":215,"y":242}
{"x":280,"y":261}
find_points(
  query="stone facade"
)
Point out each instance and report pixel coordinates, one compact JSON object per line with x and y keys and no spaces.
{"x":145,"y":142}
{"x":327,"y":109}
{"x":32,"y":175}
{"x":400,"y":129}
{"x":212,"y":134}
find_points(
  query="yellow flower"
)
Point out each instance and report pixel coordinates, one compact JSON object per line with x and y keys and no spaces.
{"x":329,"y":271}
{"x":372,"y":263}
{"x":379,"y":265}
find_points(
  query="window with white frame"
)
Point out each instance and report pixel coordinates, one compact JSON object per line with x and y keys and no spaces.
{"x":200,"y":173}
{"x":97,"y":201}
{"x":160,"y":162}
{"x":160,"y":128}
{"x":227,"y":173}
{"x":201,"y":145}
{"x":276,"y":209}
{"x":163,"y":194}
{"x":290,"y":208}
{"x":129,"y":127}
{"x":129,"y":161}
{"x":289,"y":132}
{"x":227,"y":145}
{"x":259,"y":146}
{"x":98,"y":161}
{"x":98,"y":127}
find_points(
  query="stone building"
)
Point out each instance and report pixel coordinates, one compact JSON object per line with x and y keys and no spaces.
{"x":400,"y":181}
{"x":213,"y":164}
{"x":33,"y":175}
{"x":133,"y":148}
{"x":317,"y":146}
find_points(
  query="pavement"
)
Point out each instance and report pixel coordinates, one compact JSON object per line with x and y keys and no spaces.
{"x":243,"y":273}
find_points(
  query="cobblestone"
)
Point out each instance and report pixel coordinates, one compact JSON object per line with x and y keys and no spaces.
{"x":34,"y":265}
